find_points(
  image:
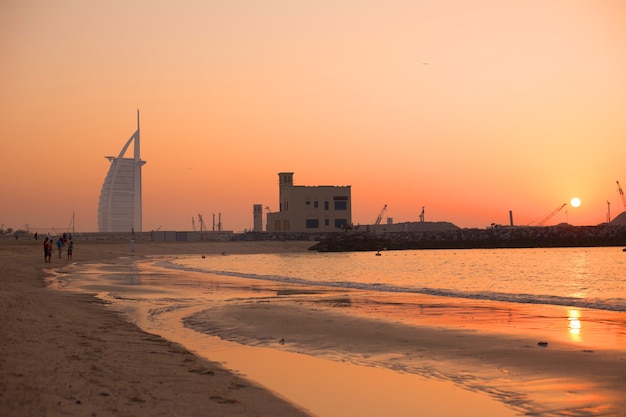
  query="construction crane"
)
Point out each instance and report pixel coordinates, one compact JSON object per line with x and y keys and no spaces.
{"x":621,"y":194}
{"x":193,"y":224}
{"x":422,"y":215}
{"x":219,"y":222}
{"x":549,"y":216}
{"x":380,"y":215}
{"x":202,"y":225}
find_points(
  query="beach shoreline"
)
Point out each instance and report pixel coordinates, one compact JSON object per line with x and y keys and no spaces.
{"x":66,"y":353}
{"x":530,"y":357}
{"x":308,"y":379}
{"x":78,"y":368}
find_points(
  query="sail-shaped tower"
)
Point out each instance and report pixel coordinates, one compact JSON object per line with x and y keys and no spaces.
{"x":119,"y":208}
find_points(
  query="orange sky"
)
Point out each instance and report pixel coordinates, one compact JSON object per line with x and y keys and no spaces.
{"x":469,"y":108}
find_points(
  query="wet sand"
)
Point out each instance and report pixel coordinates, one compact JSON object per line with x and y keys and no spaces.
{"x":509,"y":366}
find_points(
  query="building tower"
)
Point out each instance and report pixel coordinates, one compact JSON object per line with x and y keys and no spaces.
{"x":119,"y":208}
{"x":285,"y":180}
{"x":257,"y":211}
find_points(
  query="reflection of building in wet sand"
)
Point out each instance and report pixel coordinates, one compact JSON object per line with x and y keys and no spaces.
{"x":310,"y":208}
{"x":119,"y":208}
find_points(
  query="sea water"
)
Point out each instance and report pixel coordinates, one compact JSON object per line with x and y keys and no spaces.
{"x":577,"y":277}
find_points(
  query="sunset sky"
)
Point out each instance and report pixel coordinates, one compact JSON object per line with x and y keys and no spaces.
{"x":468,"y":108}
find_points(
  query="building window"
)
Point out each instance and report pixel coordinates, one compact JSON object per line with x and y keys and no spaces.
{"x":308,"y":203}
{"x":286,"y":225}
{"x":312,"y":223}
{"x":341,"y":205}
{"x":326,"y":205}
{"x":326,"y":222}
{"x":341,"y":223}
{"x":316,"y":204}
{"x":277,"y":225}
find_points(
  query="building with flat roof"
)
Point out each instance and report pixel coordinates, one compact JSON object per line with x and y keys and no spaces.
{"x":119,"y":207}
{"x":302,"y":208}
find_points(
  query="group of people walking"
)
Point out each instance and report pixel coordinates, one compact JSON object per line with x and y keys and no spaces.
{"x":48,"y":247}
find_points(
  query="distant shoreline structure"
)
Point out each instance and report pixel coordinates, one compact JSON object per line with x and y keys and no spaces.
{"x":495,"y":238}
{"x":360,"y":240}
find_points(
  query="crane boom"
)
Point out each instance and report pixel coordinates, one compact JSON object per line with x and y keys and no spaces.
{"x":202,"y":225}
{"x":380,"y":215}
{"x":621,"y":194}
{"x":549,"y":216}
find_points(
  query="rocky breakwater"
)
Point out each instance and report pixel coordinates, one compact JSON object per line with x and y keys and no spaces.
{"x":499,"y":237}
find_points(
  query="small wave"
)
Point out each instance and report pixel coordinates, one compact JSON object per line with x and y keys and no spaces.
{"x":614,"y":304}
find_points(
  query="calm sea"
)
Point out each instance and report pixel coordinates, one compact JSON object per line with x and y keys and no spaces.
{"x":578,"y":277}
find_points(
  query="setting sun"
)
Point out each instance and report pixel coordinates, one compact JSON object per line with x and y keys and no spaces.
{"x":575,"y":202}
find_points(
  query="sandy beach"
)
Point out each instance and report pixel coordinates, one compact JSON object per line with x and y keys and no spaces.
{"x":66,"y":353}
{"x":63,"y":353}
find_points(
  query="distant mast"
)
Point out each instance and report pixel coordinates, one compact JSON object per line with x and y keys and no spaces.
{"x":137,"y":147}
